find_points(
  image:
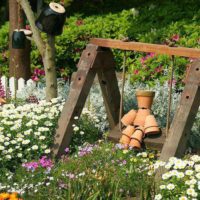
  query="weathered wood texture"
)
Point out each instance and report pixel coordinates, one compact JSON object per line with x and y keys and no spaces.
{"x":93,"y":59}
{"x":109,"y":87}
{"x":145,"y":47}
{"x":176,"y":143}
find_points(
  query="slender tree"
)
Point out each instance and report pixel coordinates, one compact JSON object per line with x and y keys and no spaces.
{"x":46,"y":49}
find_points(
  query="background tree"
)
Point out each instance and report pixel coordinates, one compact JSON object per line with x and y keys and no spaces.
{"x":19,"y":62}
{"x":46,"y":48}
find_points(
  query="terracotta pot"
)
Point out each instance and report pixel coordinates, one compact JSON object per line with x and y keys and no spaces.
{"x":145,"y":98}
{"x":141,"y":116}
{"x":18,"y":39}
{"x":52,"y":19}
{"x":151,"y":126}
{"x":126,"y":135}
{"x":2,"y":101}
{"x":136,"y":138}
{"x":128,"y":118}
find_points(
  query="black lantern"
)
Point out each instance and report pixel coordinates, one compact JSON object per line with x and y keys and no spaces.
{"x":52,"y":19}
{"x":18,"y":39}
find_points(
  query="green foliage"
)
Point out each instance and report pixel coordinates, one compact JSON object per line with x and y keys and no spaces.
{"x":154,"y":21}
{"x":4,"y":49}
{"x":99,"y":171}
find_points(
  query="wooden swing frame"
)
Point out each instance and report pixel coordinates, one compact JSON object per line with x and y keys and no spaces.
{"x":98,"y":59}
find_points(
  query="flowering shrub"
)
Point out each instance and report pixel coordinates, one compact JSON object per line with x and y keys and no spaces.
{"x":26,"y":132}
{"x":182,"y":180}
{"x":38,"y":74}
{"x":101,"y":170}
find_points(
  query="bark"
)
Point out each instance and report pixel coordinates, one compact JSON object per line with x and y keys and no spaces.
{"x":50,"y":70}
{"x":31,"y":18}
{"x":47,"y":51}
{"x":19,"y":62}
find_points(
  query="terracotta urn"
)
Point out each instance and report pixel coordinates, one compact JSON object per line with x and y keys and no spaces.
{"x":151,"y":126}
{"x":141,"y":116}
{"x":18,"y":39}
{"x":52,"y":19}
{"x":126,"y":135}
{"x":128,"y":118}
{"x":145,"y":98}
{"x":136,"y":138}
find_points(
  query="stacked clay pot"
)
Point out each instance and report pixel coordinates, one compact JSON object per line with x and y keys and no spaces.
{"x":141,"y":123}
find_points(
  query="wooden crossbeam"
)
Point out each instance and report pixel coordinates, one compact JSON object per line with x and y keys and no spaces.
{"x":145,"y":47}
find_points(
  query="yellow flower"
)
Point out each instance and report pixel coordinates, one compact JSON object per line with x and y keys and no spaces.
{"x":151,"y":155}
{"x":125,"y":151}
{"x":133,"y":159}
{"x":4,"y":195}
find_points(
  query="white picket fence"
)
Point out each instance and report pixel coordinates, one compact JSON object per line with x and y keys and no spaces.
{"x":12,"y":86}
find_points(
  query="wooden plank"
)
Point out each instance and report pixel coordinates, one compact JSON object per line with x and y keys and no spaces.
{"x":76,"y":100}
{"x":176,"y":143}
{"x":145,"y":47}
{"x":150,"y":143}
{"x":111,"y":95}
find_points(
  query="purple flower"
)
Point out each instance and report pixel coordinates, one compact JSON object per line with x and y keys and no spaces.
{"x":30,"y":166}
{"x":46,"y":163}
{"x":119,"y":146}
{"x":67,"y":150}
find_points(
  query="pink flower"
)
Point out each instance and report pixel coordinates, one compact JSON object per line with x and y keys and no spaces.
{"x":175,"y":38}
{"x":136,"y":71}
{"x":158,"y":69}
{"x":35,"y":78}
{"x":151,"y":55}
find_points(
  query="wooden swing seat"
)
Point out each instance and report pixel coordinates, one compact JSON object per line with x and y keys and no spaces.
{"x":155,"y":143}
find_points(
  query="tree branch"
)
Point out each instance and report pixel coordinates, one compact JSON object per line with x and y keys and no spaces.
{"x":31,"y":18}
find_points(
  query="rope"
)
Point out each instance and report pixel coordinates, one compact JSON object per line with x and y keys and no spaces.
{"x":171,"y":75}
{"x":122,"y":91}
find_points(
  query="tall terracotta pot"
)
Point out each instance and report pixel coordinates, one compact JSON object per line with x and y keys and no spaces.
{"x":145,"y":98}
{"x":141,"y":116}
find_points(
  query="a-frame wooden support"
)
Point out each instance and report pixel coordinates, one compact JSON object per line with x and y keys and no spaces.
{"x":94,"y":60}
{"x":176,"y":143}
{"x":99,"y":60}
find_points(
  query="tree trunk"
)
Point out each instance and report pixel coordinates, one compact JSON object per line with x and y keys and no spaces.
{"x":46,"y":49}
{"x":19,"y":63}
{"x":50,"y":69}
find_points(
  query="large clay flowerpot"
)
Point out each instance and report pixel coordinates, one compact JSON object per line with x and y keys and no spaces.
{"x":151,"y":126}
{"x":18,"y":39}
{"x":128,"y":118}
{"x":136,"y":138}
{"x":145,"y":98}
{"x":52,"y":19}
{"x":126,"y":135}
{"x":141,"y":116}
